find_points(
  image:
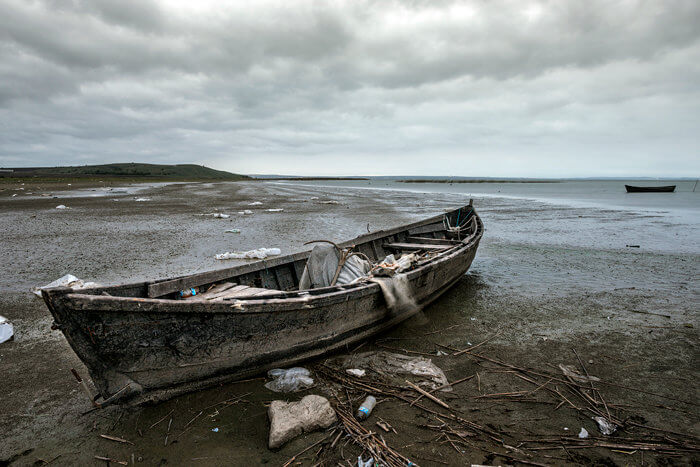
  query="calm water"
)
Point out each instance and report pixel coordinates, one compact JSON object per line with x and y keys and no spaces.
{"x":591,"y":214}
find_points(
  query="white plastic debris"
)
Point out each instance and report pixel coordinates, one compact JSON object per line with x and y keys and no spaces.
{"x":141,"y":200}
{"x":6,"y":330}
{"x":221,"y":216}
{"x":440,"y":353}
{"x":356,"y":372}
{"x":233,"y":231}
{"x":255,"y":203}
{"x":15,"y":194}
{"x":396,"y":367}
{"x":215,"y":430}
{"x":368,"y":463}
{"x":244,"y":212}
{"x":61,"y":206}
{"x":290,"y":380}
{"x":329,"y":202}
{"x":274,"y":210}
{"x":69,"y":280}
{"x":260,"y":253}
{"x":605,"y":427}
{"x":583,"y":434}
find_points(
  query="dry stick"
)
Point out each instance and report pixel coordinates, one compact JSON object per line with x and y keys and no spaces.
{"x":650,"y":313}
{"x":593,"y":389}
{"x":166,"y":416}
{"x":114,"y":438}
{"x":445,"y":386}
{"x":293,"y":458}
{"x":483,"y":357}
{"x":477,"y":345}
{"x":109,"y":459}
{"x":427,"y":394}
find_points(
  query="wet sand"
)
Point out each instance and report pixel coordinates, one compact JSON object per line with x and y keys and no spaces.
{"x":542,"y":300}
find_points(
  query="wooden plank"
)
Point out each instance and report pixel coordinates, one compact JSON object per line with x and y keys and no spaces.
{"x":415,"y":246}
{"x":432,"y":241}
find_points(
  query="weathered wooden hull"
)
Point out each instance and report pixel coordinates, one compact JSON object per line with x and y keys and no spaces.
{"x":650,"y":189}
{"x":147,"y":349}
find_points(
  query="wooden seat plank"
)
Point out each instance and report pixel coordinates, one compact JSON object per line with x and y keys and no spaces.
{"x":415,"y":246}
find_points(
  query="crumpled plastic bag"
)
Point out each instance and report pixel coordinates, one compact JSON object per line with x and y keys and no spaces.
{"x":390,"y":265}
{"x":6,"y":330}
{"x":425,"y":373}
{"x":289,"y":380}
{"x":260,"y":253}
{"x":605,"y":427}
{"x":69,"y":280}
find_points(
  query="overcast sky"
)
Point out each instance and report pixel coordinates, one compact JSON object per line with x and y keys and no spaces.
{"x":482,"y":88}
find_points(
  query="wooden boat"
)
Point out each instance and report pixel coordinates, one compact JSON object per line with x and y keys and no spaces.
{"x":650,"y":189}
{"x":142,"y":342}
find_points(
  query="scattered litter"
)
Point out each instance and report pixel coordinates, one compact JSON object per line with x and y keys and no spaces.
{"x":391,"y":266}
{"x":290,"y":419}
{"x":605,"y":427}
{"x":426,"y":374}
{"x":274,"y":210}
{"x":368,"y":463}
{"x":7,"y":331}
{"x":356,"y":372}
{"x":472,"y":319}
{"x":566,"y":429}
{"x":244,"y":212}
{"x":583,"y":433}
{"x":440,"y":353}
{"x":570,"y":371}
{"x":260,"y":253}
{"x":140,"y":200}
{"x":15,"y":194}
{"x":215,"y":430}
{"x":366,"y":407}
{"x":61,"y":206}
{"x":69,"y":280}
{"x":255,"y":203}
{"x":290,"y":380}
{"x":221,"y":216}
{"x":314,"y":197}
{"x":233,"y":231}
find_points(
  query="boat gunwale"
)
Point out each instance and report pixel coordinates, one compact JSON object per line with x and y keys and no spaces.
{"x":332,"y":295}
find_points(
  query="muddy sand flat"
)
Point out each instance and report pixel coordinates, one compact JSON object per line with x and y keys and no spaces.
{"x":630,"y":316}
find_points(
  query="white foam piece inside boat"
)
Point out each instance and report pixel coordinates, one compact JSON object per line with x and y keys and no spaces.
{"x":260,"y":253}
{"x":6,"y":330}
{"x":69,"y":280}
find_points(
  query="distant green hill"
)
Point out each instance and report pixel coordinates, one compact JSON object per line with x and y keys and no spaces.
{"x":127,"y":170}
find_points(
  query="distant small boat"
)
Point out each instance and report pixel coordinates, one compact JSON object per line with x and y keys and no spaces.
{"x":650,"y":189}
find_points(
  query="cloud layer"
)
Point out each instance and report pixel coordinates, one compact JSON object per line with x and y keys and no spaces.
{"x":504,"y":88}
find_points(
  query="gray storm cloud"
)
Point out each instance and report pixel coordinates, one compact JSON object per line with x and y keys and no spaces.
{"x":509,"y":88}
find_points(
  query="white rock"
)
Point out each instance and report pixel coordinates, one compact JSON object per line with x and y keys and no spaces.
{"x":290,"y":419}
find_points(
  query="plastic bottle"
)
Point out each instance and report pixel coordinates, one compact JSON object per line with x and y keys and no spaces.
{"x":366,"y":408}
{"x":189,"y":292}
